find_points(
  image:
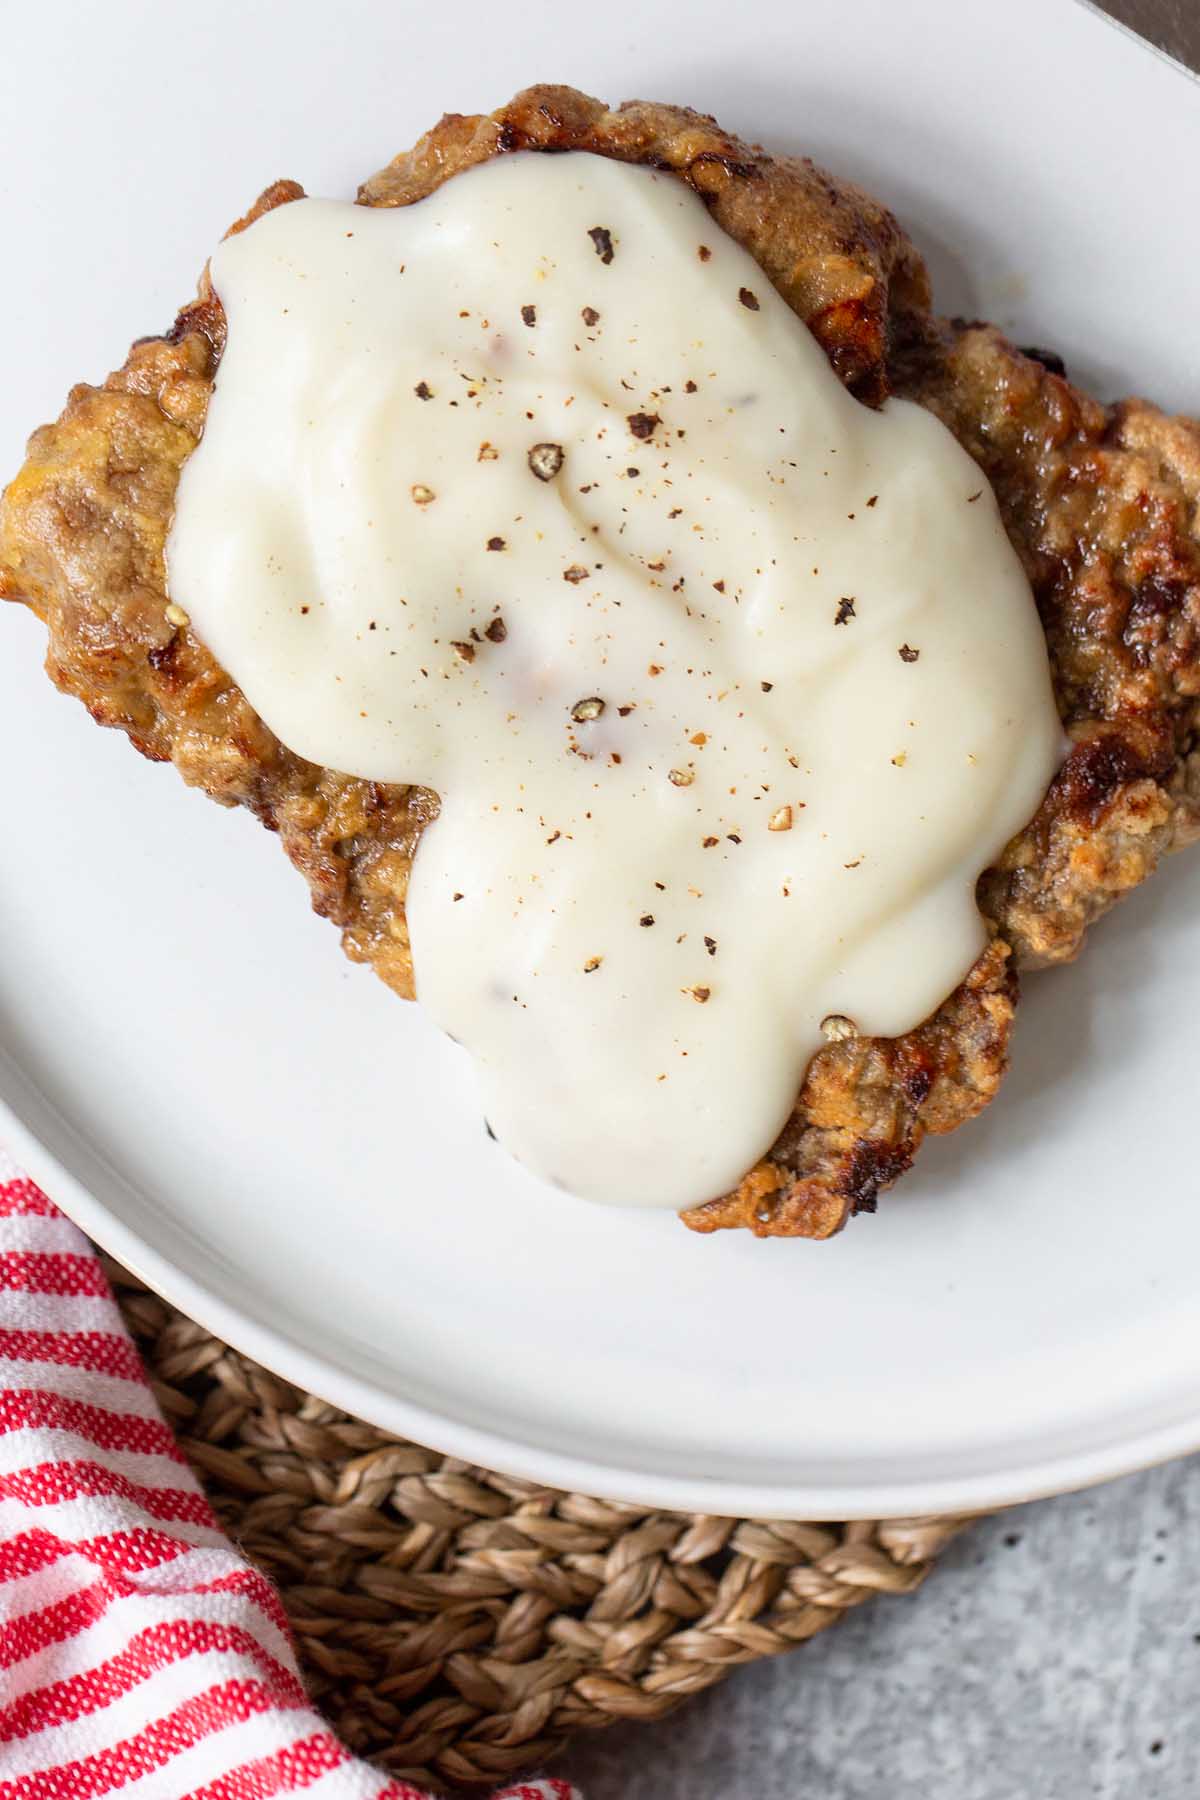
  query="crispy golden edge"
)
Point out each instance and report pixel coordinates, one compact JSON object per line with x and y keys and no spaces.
{"x":837,"y":256}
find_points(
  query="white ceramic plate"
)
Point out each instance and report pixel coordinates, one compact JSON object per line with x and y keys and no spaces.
{"x":296,"y":1158}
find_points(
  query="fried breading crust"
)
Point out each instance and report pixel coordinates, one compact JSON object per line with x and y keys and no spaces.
{"x":1100,"y":503}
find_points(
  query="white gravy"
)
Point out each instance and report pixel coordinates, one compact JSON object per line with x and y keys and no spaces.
{"x":729,"y":700}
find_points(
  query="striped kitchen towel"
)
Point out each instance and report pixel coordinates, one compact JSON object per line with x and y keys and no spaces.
{"x":140,"y":1654}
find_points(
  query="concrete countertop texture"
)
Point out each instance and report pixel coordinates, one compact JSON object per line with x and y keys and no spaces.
{"x":1053,"y":1654}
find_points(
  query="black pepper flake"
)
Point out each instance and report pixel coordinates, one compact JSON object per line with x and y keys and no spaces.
{"x":546,"y":460}
{"x":634,"y":473}
{"x":456,"y":896}
{"x":590,"y":316}
{"x":646,"y":919}
{"x":495,"y":543}
{"x":710,"y":944}
{"x":497,"y":631}
{"x":575,"y":573}
{"x":908,"y":654}
{"x":704,"y":252}
{"x":601,"y":237}
{"x":423,"y":391}
{"x":465,"y":651}
{"x":845,"y":611}
{"x":872,"y":500}
{"x":642,"y":424}
{"x":529,"y":314}
{"x":975,"y":496}
{"x":675,"y":512}
{"x":766,"y":686}
{"x":305,"y":609}
{"x":709,"y":843}
{"x":624,"y":711}
{"x":733,"y":837}
{"x":720,"y":586}
{"x":689,"y":387}
{"x":748,"y":299}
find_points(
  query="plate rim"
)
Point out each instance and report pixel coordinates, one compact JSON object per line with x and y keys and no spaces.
{"x":367,"y":1399}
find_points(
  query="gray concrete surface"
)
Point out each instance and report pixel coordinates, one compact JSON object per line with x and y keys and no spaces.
{"x":1053,"y":1655}
{"x":1174,"y":25}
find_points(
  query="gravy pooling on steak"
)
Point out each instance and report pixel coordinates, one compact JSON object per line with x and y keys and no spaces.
{"x":729,"y":685}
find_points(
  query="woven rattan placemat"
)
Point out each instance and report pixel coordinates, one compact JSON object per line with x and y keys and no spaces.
{"x":458,"y":1626}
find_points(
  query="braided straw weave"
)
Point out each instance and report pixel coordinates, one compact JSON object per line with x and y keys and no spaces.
{"x":457,"y":1626}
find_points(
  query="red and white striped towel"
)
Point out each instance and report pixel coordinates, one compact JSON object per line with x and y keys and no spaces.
{"x":139,"y":1653}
